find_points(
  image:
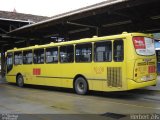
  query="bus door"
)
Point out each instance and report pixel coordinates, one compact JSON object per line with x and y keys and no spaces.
{"x":9,"y":64}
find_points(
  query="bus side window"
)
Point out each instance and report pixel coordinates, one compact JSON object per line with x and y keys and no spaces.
{"x":52,"y":55}
{"x":27,"y":57}
{"x":9,"y":61}
{"x":18,"y":58}
{"x":84,"y":52}
{"x":103,"y":51}
{"x":118,"y":50}
{"x":66,"y":54}
{"x":38,"y":57}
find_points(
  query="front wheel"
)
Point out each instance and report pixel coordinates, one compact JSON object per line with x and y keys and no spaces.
{"x":20,"y":81}
{"x":81,"y":86}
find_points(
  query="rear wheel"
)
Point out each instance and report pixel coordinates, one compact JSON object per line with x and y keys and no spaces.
{"x":81,"y":86}
{"x":20,"y":81}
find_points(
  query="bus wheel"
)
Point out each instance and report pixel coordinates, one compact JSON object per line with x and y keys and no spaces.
{"x":20,"y":81}
{"x":81,"y":86}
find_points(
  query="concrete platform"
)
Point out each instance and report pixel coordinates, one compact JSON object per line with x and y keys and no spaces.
{"x":157,"y":87}
{"x":39,"y":103}
{"x":2,"y":80}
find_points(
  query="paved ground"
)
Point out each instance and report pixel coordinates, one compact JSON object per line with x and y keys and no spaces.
{"x":97,"y":105}
{"x":157,"y":87}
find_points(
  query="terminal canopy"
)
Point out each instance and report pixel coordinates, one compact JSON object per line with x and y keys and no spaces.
{"x":105,"y":18}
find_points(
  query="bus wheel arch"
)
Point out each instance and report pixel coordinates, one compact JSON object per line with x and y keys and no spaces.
{"x":19,"y":80}
{"x":80,"y":84}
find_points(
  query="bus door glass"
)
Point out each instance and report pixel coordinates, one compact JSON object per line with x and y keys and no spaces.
{"x":9,"y":61}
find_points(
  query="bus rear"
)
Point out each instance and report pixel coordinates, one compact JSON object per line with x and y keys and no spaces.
{"x":143,"y":62}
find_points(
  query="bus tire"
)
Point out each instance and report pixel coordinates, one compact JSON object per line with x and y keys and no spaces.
{"x":20,"y":81}
{"x":81,"y":86}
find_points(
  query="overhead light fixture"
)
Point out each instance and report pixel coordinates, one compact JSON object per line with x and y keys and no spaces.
{"x":155,"y":17}
{"x":78,"y":30}
{"x":117,"y":23}
{"x":51,"y":35}
{"x":151,"y":30}
{"x":5,"y":36}
{"x":5,"y":44}
{"x":20,"y":41}
{"x":3,"y":41}
{"x":82,"y":25}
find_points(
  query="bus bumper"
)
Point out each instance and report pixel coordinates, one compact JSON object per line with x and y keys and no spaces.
{"x":134,"y":85}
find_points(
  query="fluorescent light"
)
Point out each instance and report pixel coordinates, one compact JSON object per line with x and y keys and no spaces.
{"x":20,"y":41}
{"x":5,"y":44}
{"x":155,"y":17}
{"x":117,"y":23}
{"x":3,"y":41}
{"x":78,"y":30}
{"x":51,"y":35}
{"x":153,"y":30}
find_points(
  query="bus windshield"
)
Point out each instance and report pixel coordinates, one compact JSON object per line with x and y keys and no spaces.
{"x":144,"y":45}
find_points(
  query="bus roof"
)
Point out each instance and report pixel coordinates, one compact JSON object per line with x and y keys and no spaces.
{"x":84,"y":40}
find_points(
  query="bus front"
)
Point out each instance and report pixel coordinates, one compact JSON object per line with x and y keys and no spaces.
{"x":143,"y":66}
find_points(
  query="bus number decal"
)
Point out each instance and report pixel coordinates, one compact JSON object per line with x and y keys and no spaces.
{"x":98,"y":70}
{"x":36,"y":71}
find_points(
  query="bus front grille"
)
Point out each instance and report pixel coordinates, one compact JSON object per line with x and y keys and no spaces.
{"x":114,"y":76}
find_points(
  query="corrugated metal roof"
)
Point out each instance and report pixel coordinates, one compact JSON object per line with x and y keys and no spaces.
{"x":105,"y":18}
{"x":21,"y":16}
{"x":74,"y":12}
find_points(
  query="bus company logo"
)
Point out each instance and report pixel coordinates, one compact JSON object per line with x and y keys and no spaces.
{"x":36,"y":71}
{"x":98,"y":69}
{"x":139,"y":43}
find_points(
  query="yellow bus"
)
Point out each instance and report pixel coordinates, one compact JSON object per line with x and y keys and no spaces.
{"x":110,"y":63}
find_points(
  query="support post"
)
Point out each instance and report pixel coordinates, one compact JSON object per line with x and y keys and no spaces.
{"x":2,"y":62}
{"x":27,"y":43}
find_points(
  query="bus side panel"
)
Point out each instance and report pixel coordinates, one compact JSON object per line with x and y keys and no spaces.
{"x":27,"y":73}
{"x":61,"y":75}
{"x":115,"y":77}
{"x":10,"y":78}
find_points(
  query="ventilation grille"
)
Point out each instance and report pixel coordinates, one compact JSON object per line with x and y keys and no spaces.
{"x":114,"y":76}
